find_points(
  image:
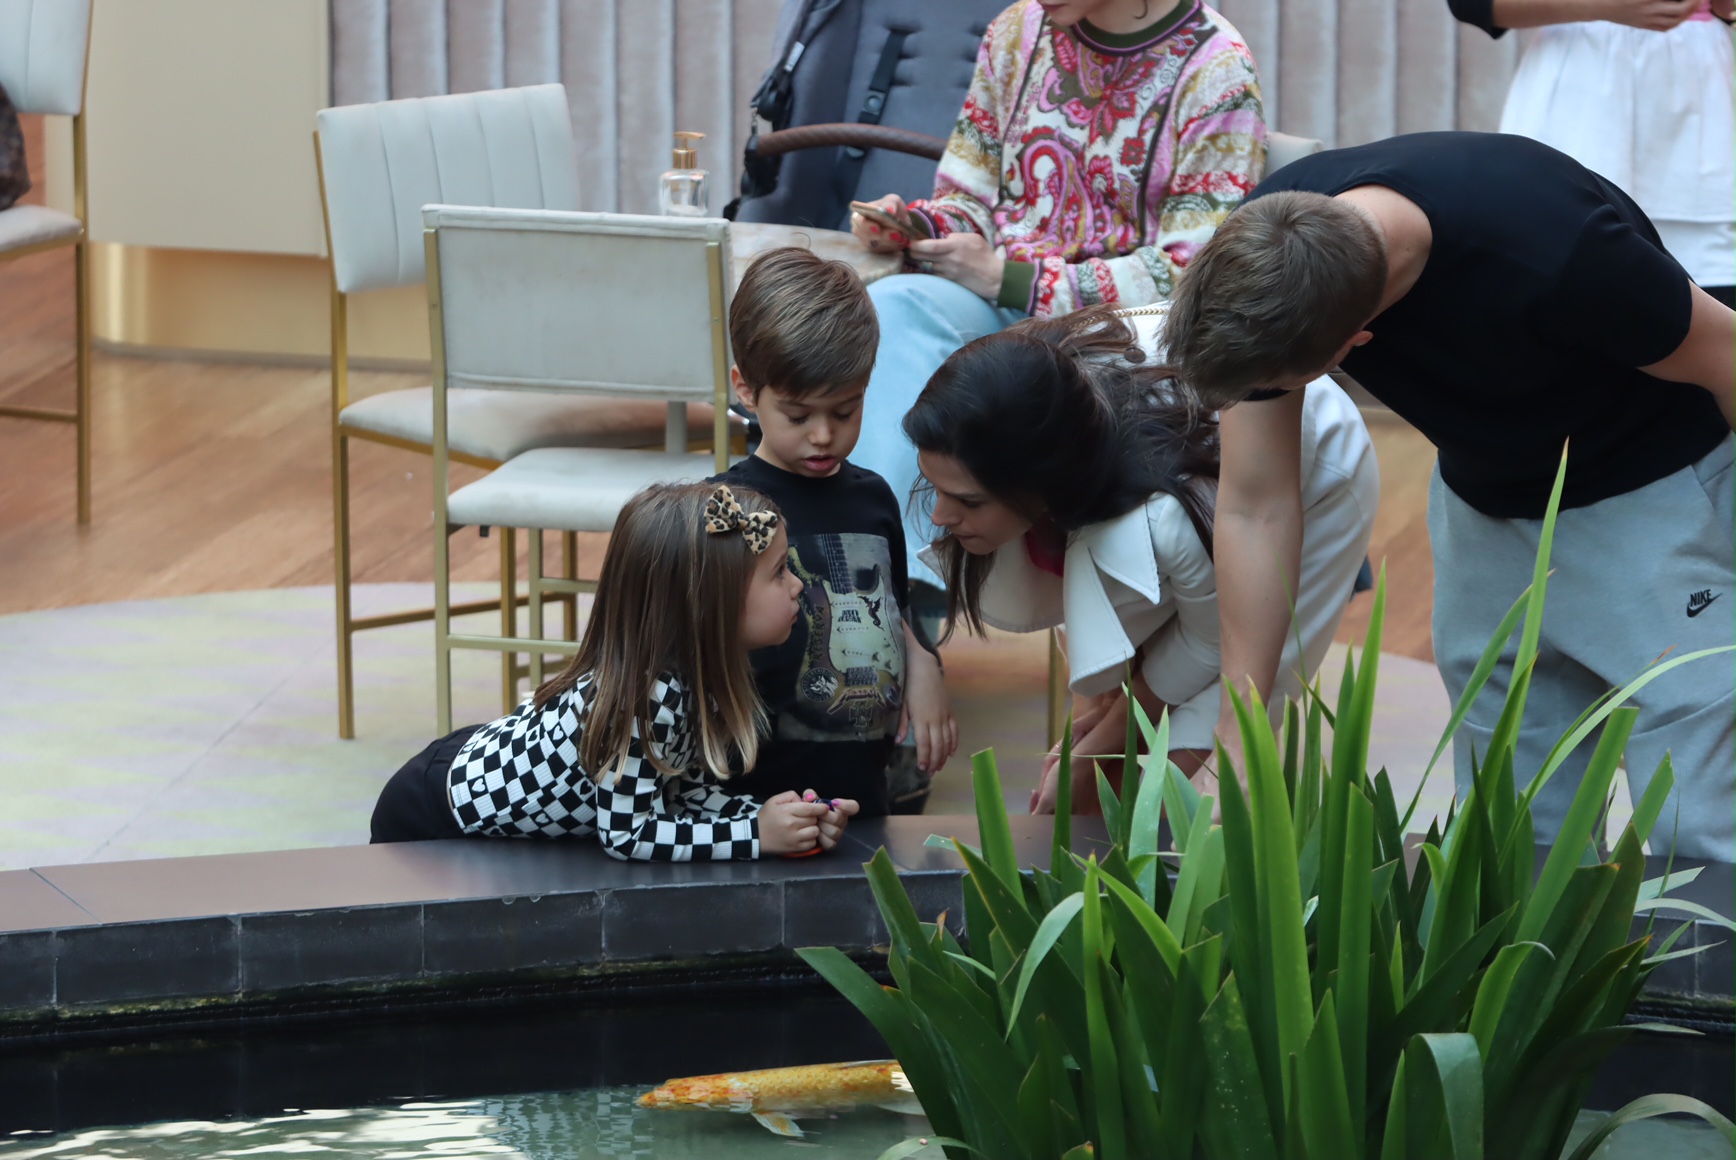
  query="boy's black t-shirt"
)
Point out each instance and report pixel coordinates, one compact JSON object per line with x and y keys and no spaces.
{"x":1545,"y":288}
{"x":834,"y":691}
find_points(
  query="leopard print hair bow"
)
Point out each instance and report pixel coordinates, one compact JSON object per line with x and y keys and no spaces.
{"x":723,"y":514}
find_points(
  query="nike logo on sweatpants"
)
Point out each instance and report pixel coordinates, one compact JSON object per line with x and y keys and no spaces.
{"x":1701,"y":600}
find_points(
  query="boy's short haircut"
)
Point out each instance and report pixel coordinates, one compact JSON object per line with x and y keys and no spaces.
{"x":802,"y":325}
{"x":1282,"y":285}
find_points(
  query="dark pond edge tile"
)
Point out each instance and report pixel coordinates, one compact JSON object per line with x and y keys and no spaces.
{"x":598,"y":928}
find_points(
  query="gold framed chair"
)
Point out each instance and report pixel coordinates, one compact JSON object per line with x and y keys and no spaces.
{"x":379,"y":164}
{"x":568,"y":304}
{"x":44,"y":53}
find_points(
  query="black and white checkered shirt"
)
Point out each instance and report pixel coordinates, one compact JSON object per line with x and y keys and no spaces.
{"x":520,"y":777}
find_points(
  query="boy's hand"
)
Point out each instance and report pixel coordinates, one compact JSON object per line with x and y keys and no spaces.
{"x":838,"y":813}
{"x":927,"y":710}
{"x":789,"y":825}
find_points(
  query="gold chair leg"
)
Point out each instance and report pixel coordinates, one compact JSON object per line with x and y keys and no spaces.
{"x":1057,"y":688}
{"x":533,"y":581}
{"x":81,"y":257}
{"x":508,"y":617}
{"x":442,"y":622}
{"x":341,"y":585}
{"x":570,"y":571}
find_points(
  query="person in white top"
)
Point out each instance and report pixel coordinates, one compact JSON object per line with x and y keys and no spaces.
{"x":1071,"y":485}
{"x":1642,"y":92}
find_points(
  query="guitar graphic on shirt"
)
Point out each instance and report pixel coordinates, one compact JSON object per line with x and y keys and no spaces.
{"x":850,"y":677}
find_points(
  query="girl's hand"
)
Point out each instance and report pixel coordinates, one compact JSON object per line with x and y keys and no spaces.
{"x":875,"y":236}
{"x":837,"y":817}
{"x":927,"y":710}
{"x":789,"y":825}
{"x":967,"y":259}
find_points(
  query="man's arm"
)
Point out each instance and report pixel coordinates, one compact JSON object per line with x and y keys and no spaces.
{"x":1257,"y":542}
{"x":1707,"y":357}
{"x":1653,"y":15}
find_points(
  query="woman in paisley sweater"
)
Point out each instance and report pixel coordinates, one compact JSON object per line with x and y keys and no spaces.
{"x":1101,"y":143}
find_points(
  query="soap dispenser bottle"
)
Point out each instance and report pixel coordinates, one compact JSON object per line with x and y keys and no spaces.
{"x":685,"y":191}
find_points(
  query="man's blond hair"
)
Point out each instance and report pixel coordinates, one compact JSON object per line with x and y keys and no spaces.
{"x":1283,"y":284}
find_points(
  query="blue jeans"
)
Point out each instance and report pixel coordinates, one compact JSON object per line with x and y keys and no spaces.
{"x":923,"y":319}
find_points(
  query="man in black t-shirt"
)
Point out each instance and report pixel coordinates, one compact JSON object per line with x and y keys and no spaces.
{"x":1505,"y":300}
{"x":853,"y":673}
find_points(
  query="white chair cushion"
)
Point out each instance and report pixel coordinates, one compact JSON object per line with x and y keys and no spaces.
{"x":569,"y":489}
{"x":498,"y":425}
{"x":31,"y":225}
{"x":42,"y":54}
{"x":382,"y":163}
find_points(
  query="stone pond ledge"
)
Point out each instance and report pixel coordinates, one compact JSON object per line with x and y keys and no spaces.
{"x":194,"y":939}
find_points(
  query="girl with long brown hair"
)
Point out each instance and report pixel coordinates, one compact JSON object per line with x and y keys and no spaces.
{"x":1072,"y":484}
{"x":633,"y":739}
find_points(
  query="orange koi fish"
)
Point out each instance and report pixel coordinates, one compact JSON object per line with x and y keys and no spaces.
{"x":777,"y":1096}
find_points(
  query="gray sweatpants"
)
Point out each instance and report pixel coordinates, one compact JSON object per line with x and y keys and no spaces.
{"x":1635,"y":576}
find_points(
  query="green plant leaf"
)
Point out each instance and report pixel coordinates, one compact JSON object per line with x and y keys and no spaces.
{"x":1284,"y":949}
{"x":1199,"y":883}
{"x":992,"y":826}
{"x":1133,"y":907}
{"x":1662,"y":885}
{"x":1651,"y":803}
{"x":1683,"y":906}
{"x":1645,"y":1108}
{"x":1576,"y":827}
{"x":1108,"y":803}
{"x":1350,"y":1039}
{"x":1479,"y":677}
{"x":1236,"y":1125}
{"x":1181,"y":801}
{"x":1323,"y":1096}
{"x":1446,"y":1070}
{"x":1082,"y":1152}
{"x":1049,"y":932}
{"x":898,"y":1023}
{"x":1061,"y":843}
{"x":1102,"y":1082}
{"x":986,"y":1075}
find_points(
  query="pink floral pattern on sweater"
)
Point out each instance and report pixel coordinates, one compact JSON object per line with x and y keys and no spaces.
{"x":1104,"y":168}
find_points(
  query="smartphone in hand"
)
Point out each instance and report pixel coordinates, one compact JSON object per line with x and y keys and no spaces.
{"x":911,"y":229}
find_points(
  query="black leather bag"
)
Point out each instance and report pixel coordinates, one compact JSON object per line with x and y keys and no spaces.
{"x":14,"y":171}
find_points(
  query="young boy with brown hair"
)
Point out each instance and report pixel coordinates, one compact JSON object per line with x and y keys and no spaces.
{"x":853,"y":676}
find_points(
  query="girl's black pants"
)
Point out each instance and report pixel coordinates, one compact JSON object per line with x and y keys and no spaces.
{"x":415,"y":805}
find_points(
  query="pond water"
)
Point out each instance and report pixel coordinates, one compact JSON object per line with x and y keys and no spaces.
{"x":592,"y":1124}
{"x":420,"y":1085}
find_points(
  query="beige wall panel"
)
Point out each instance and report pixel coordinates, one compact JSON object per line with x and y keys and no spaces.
{"x":200,"y":117}
{"x":1367,"y":70}
{"x":704,"y":90}
{"x":476,"y":46}
{"x":533,"y":42}
{"x":588,"y":70}
{"x":360,"y":53}
{"x":645,"y":104}
{"x":1428,"y":63}
{"x":1308,"y":50}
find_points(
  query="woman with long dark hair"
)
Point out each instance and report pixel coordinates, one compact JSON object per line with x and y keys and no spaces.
{"x":1071,"y":483}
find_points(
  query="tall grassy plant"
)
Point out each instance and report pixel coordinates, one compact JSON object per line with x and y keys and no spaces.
{"x":1298,"y":988}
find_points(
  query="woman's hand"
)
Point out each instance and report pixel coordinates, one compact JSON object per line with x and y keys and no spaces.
{"x":1100,"y":731}
{"x":789,"y":825}
{"x":967,"y":259}
{"x":837,"y":817}
{"x":876,"y":237}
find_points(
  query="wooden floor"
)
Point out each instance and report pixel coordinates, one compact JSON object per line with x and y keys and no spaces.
{"x":211,"y":477}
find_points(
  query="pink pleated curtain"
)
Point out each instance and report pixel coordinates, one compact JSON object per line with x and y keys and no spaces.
{"x":1345,"y":71}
